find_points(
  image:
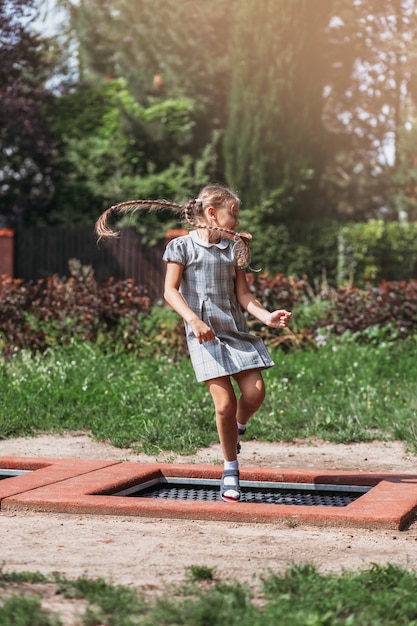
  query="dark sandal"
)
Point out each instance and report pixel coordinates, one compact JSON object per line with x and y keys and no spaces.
{"x":240,"y":433}
{"x":224,"y":488}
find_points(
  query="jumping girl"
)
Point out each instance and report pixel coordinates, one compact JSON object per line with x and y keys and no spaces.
{"x":206,"y":284}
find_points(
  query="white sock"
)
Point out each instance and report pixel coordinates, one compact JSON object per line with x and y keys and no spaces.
{"x":241,"y":426}
{"x":231,"y":481}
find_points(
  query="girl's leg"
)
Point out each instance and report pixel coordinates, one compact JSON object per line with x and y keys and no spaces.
{"x":230,"y":412}
{"x":225,"y":404}
{"x":252,"y":388}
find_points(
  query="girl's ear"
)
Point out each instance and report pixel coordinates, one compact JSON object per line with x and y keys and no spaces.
{"x":211,"y":211}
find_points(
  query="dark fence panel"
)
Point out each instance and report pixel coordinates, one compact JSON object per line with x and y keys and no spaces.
{"x":43,"y":251}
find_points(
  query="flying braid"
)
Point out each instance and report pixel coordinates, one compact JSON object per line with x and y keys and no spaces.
{"x":189,"y":213}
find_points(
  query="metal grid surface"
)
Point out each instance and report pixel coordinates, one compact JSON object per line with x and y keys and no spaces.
{"x":252,"y":492}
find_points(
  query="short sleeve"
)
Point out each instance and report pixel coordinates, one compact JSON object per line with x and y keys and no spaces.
{"x":176,"y":251}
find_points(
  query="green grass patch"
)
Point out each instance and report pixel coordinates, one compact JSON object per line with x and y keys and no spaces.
{"x":300,"y":596}
{"x":198,"y":573}
{"x":380,"y":595}
{"x":155,"y":403}
{"x":108,"y":604}
{"x":19,"y":610}
{"x":340,"y":392}
{"x":21,"y":577}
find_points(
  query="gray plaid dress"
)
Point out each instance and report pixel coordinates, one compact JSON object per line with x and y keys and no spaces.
{"x":208,"y":287}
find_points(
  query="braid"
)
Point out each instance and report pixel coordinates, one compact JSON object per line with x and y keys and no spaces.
{"x":102,"y":228}
{"x":241,"y":250}
{"x":214,"y":193}
{"x":189,"y":212}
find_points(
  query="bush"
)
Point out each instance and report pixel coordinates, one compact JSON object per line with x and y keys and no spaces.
{"x":375,"y":251}
{"x":117,"y":316}
{"x":369,"y":315}
{"x":53,"y":311}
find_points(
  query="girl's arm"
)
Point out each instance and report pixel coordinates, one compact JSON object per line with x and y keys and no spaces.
{"x":276,"y":319}
{"x":176,"y":301}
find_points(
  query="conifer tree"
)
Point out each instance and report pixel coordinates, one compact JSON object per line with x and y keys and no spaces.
{"x":275,"y":133}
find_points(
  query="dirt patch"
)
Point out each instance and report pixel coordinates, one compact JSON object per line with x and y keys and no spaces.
{"x":153,"y":553}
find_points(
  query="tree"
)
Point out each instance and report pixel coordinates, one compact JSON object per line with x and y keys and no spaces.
{"x":275,"y":135}
{"x":26,"y":141}
{"x":145,"y":116}
{"x":370,"y":105}
{"x":111,"y":148}
{"x":309,"y":94}
{"x":162,"y":49}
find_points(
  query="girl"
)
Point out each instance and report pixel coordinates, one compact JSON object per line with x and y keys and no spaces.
{"x":206,"y":284}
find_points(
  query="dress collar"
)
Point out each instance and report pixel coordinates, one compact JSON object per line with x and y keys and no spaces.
{"x":223,"y":243}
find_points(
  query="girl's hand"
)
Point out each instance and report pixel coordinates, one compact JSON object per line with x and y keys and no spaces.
{"x":202,"y":331}
{"x":278,"y":319}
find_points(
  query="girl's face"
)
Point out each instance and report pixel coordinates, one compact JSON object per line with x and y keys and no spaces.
{"x":227,"y":215}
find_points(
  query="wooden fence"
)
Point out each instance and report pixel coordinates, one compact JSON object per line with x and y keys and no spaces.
{"x":44,"y":251}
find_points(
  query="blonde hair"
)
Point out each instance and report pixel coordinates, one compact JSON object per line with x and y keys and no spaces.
{"x":213,"y":194}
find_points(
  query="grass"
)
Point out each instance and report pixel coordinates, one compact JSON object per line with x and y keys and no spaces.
{"x":300,"y":596}
{"x":115,"y":396}
{"x":340,"y":392}
{"x":19,"y":610}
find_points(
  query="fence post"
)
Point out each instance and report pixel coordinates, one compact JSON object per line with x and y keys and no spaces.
{"x":7,"y":252}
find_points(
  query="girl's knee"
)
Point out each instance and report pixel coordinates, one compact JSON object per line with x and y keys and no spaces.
{"x":253,"y":390}
{"x":224,"y":397}
{"x":254,"y":397}
{"x":226,"y":408}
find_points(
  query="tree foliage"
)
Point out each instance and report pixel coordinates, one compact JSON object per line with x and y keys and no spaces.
{"x":110,"y":143}
{"x":163,"y":49}
{"x":141,"y":121}
{"x":306,"y":108}
{"x":26,"y":142}
{"x":370,"y":106}
{"x":275,"y":137}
